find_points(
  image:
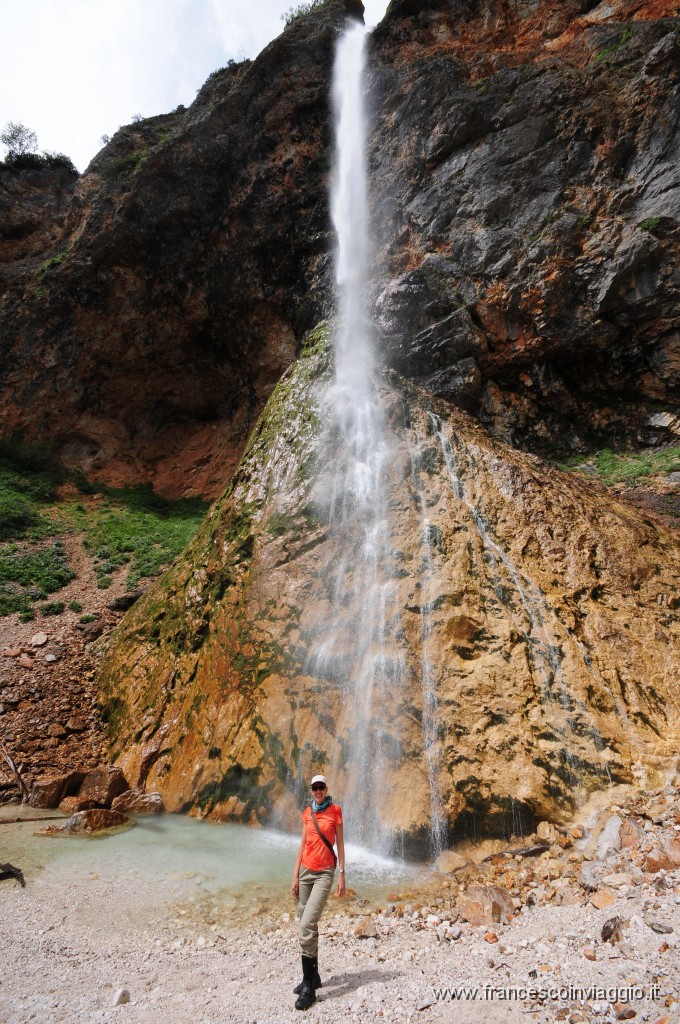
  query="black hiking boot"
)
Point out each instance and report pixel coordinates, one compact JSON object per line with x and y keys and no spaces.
{"x":307,"y":994}
{"x":317,"y":980}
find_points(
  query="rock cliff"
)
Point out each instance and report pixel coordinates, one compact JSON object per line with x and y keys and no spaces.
{"x":526,"y":156}
{"x":526,"y":196}
{"x":549,"y":614}
{"x":146,"y":339}
{"x":526,"y":192}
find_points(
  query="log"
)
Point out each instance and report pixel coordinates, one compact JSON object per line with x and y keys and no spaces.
{"x":9,"y":871}
{"x":46,"y":817}
{"x":521,"y":851}
{"x":23,"y":789}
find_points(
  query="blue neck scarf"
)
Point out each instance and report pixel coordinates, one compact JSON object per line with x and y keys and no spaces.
{"x":317,"y":808}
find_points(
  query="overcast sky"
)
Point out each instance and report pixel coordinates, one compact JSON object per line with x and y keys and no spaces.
{"x":74,"y":70}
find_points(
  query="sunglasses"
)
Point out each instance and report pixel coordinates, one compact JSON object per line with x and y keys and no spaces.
{"x":318,"y":785}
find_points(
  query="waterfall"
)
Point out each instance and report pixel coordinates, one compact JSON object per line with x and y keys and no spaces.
{"x":356,"y":649}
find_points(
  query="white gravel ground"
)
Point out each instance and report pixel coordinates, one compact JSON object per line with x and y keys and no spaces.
{"x":68,"y":951}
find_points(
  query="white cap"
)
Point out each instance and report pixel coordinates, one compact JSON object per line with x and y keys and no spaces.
{"x":319,"y":778}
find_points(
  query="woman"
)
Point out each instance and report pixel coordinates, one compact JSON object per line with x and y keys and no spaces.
{"x":313,"y":879}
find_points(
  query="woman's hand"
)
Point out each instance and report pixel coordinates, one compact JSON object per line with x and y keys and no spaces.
{"x":295,"y":887}
{"x":341,"y":885}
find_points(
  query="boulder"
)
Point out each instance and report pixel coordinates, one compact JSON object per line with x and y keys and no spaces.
{"x":630,"y":833}
{"x":103,"y":785}
{"x":602,"y":899}
{"x":87,"y":823}
{"x":547,"y":832}
{"x":70,"y":804}
{"x":450,"y":861}
{"x":485,"y":905}
{"x":136,"y":802}
{"x":125,"y":601}
{"x":661,"y":859}
{"x":50,"y":791}
{"x":610,"y":837}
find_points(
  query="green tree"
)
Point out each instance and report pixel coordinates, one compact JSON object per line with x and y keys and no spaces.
{"x":19,"y":139}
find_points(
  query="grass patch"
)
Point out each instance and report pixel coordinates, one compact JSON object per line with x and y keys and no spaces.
{"x":130,"y":526}
{"x":27,"y":576}
{"x":629,"y":467}
{"x":134,"y":526}
{"x":123,"y":167}
{"x":52,"y":608}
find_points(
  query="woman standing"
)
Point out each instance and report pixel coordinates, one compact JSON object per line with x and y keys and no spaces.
{"x":313,"y":879}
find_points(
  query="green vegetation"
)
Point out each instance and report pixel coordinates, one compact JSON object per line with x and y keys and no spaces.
{"x":280,"y":523}
{"x":27,"y":576}
{"x":134,"y":526}
{"x":84,"y":619}
{"x":54,"y":263}
{"x":616,"y":44}
{"x":293,"y":13}
{"x":22,"y":144}
{"x":650,"y":224}
{"x":27,"y":484}
{"x":114,"y":713}
{"x":131,"y":526}
{"x":52,"y":608}
{"x":628,"y":467}
{"x":123,"y":166}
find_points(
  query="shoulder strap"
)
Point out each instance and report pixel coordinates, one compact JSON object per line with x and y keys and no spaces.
{"x":322,"y":837}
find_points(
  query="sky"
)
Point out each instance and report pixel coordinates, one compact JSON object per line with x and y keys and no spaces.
{"x":75,"y":70}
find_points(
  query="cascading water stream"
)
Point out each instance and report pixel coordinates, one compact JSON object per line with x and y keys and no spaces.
{"x":357,"y":649}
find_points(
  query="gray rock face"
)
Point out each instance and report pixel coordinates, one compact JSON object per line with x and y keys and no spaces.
{"x":525,"y":202}
{"x":525,"y":167}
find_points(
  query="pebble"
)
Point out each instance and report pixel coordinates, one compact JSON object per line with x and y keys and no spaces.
{"x":122,"y":996}
{"x":658,"y":926}
{"x":39,"y":639}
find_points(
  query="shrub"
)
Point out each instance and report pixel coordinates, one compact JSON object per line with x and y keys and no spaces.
{"x":52,"y":608}
{"x":123,"y":166}
{"x":87,"y":618}
{"x":27,"y":616}
{"x":17,"y":515}
{"x":75,"y":606}
{"x":293,"y":13}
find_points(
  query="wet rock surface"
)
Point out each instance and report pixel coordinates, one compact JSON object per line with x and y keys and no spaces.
{"x":87,"y":822}
{"x":543,"y":616}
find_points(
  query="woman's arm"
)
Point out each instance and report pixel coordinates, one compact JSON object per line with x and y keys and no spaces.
{"x":295,"y":886}
{"x":340,"y":843}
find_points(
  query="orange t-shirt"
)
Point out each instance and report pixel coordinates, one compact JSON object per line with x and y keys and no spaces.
{"x":316,"y":856}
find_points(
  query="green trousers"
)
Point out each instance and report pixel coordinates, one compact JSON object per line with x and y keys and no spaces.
{"x":315,"y":887}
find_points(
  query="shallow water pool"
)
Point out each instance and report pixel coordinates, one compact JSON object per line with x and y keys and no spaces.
{"x":186,"y":853}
